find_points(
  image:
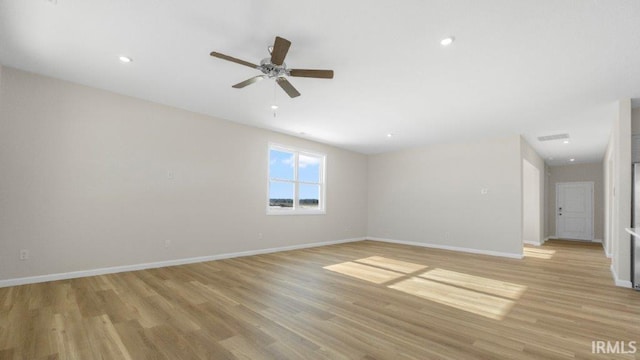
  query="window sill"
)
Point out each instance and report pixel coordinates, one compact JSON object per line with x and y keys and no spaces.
{"x":296,"y":212}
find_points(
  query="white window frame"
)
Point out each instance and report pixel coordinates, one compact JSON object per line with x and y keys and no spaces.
{"x":295,"y":210}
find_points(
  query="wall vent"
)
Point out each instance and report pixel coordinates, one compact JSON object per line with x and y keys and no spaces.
{"x":553,"y":137}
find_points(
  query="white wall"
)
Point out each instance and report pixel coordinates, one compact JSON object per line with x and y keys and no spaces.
{"x":533,"y":190}
{"x":617,"y":177}
{"x":432,"y":195}
{"x":578,"y":172}
{"x":83,"y":182}
{"x":635,"y":121}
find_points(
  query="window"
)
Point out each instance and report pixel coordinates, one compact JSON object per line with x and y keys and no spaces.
{"x":296,"y":181}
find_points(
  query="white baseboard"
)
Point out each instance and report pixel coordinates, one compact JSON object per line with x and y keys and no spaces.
{"x":621,"y":283}
{"x":447,"y":247}
{"x":532,"y":243}
{"x":134,"y":267}
{"x":599,"y":241}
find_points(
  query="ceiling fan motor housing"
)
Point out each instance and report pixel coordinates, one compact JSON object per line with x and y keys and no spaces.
{"x":272,"y":70}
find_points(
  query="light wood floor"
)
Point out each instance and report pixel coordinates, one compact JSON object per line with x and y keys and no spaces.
{"x":360,"y":300}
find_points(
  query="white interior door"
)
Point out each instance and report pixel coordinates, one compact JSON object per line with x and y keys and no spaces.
{"x":574,"y":210}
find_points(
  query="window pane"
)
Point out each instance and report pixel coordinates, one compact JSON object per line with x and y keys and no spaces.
{"x":309,"y":196}
{"x":281,"y":164}
{"x":309,"y":168}
{"x":280,"y":195}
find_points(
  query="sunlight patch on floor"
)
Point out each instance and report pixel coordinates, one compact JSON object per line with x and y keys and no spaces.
{"x":538,"y":253}
{"x":475,"y":294}
{"x":365,"y":272}
{"x":471,"y":301}
{"x":391,"y":264}
{"x":477,"y":283}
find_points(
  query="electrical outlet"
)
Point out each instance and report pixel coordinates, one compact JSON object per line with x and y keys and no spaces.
{"x":167,"y":243}
{"x":171,"y":175}
{"x":24,"y":254}
{"x":259,"y":236}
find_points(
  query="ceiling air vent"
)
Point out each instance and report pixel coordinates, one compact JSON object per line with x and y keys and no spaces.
{"x":553,"y":137}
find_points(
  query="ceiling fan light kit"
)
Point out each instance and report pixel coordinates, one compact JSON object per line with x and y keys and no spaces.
{"x":274,"y":67}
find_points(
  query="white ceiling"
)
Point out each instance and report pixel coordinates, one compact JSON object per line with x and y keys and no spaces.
{"x":534,"y":67}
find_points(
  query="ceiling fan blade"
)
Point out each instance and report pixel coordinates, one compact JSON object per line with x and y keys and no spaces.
{"x":232,"y":59}
{"x":319,"y":74}
{"x":249,"y":81}
{"x":287,"y":87}
{"x":280,"y":49}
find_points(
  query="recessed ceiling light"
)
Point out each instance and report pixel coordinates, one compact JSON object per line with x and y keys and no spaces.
{"x":125,"y":59}
{"x":390,"y":135}
{"x":553,"y":137}
{"x":447,"y":41}
{"x":565,"y":142}
{"x":274,"y":107}
{"x":572,"y":159}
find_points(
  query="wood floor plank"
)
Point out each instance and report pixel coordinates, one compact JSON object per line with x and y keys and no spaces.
{"x":243,"y":348}
{"x":206,"y":346}
{"x":7,"y":354}
{"x":362,"y":300}
{"x":171,"y":342}
{"x":138,"y":345}
{"x":105,"y":340}
{"x":71,"y":338}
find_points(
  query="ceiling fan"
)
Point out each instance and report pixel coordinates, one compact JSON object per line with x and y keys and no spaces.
{"x":274,"y":67}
